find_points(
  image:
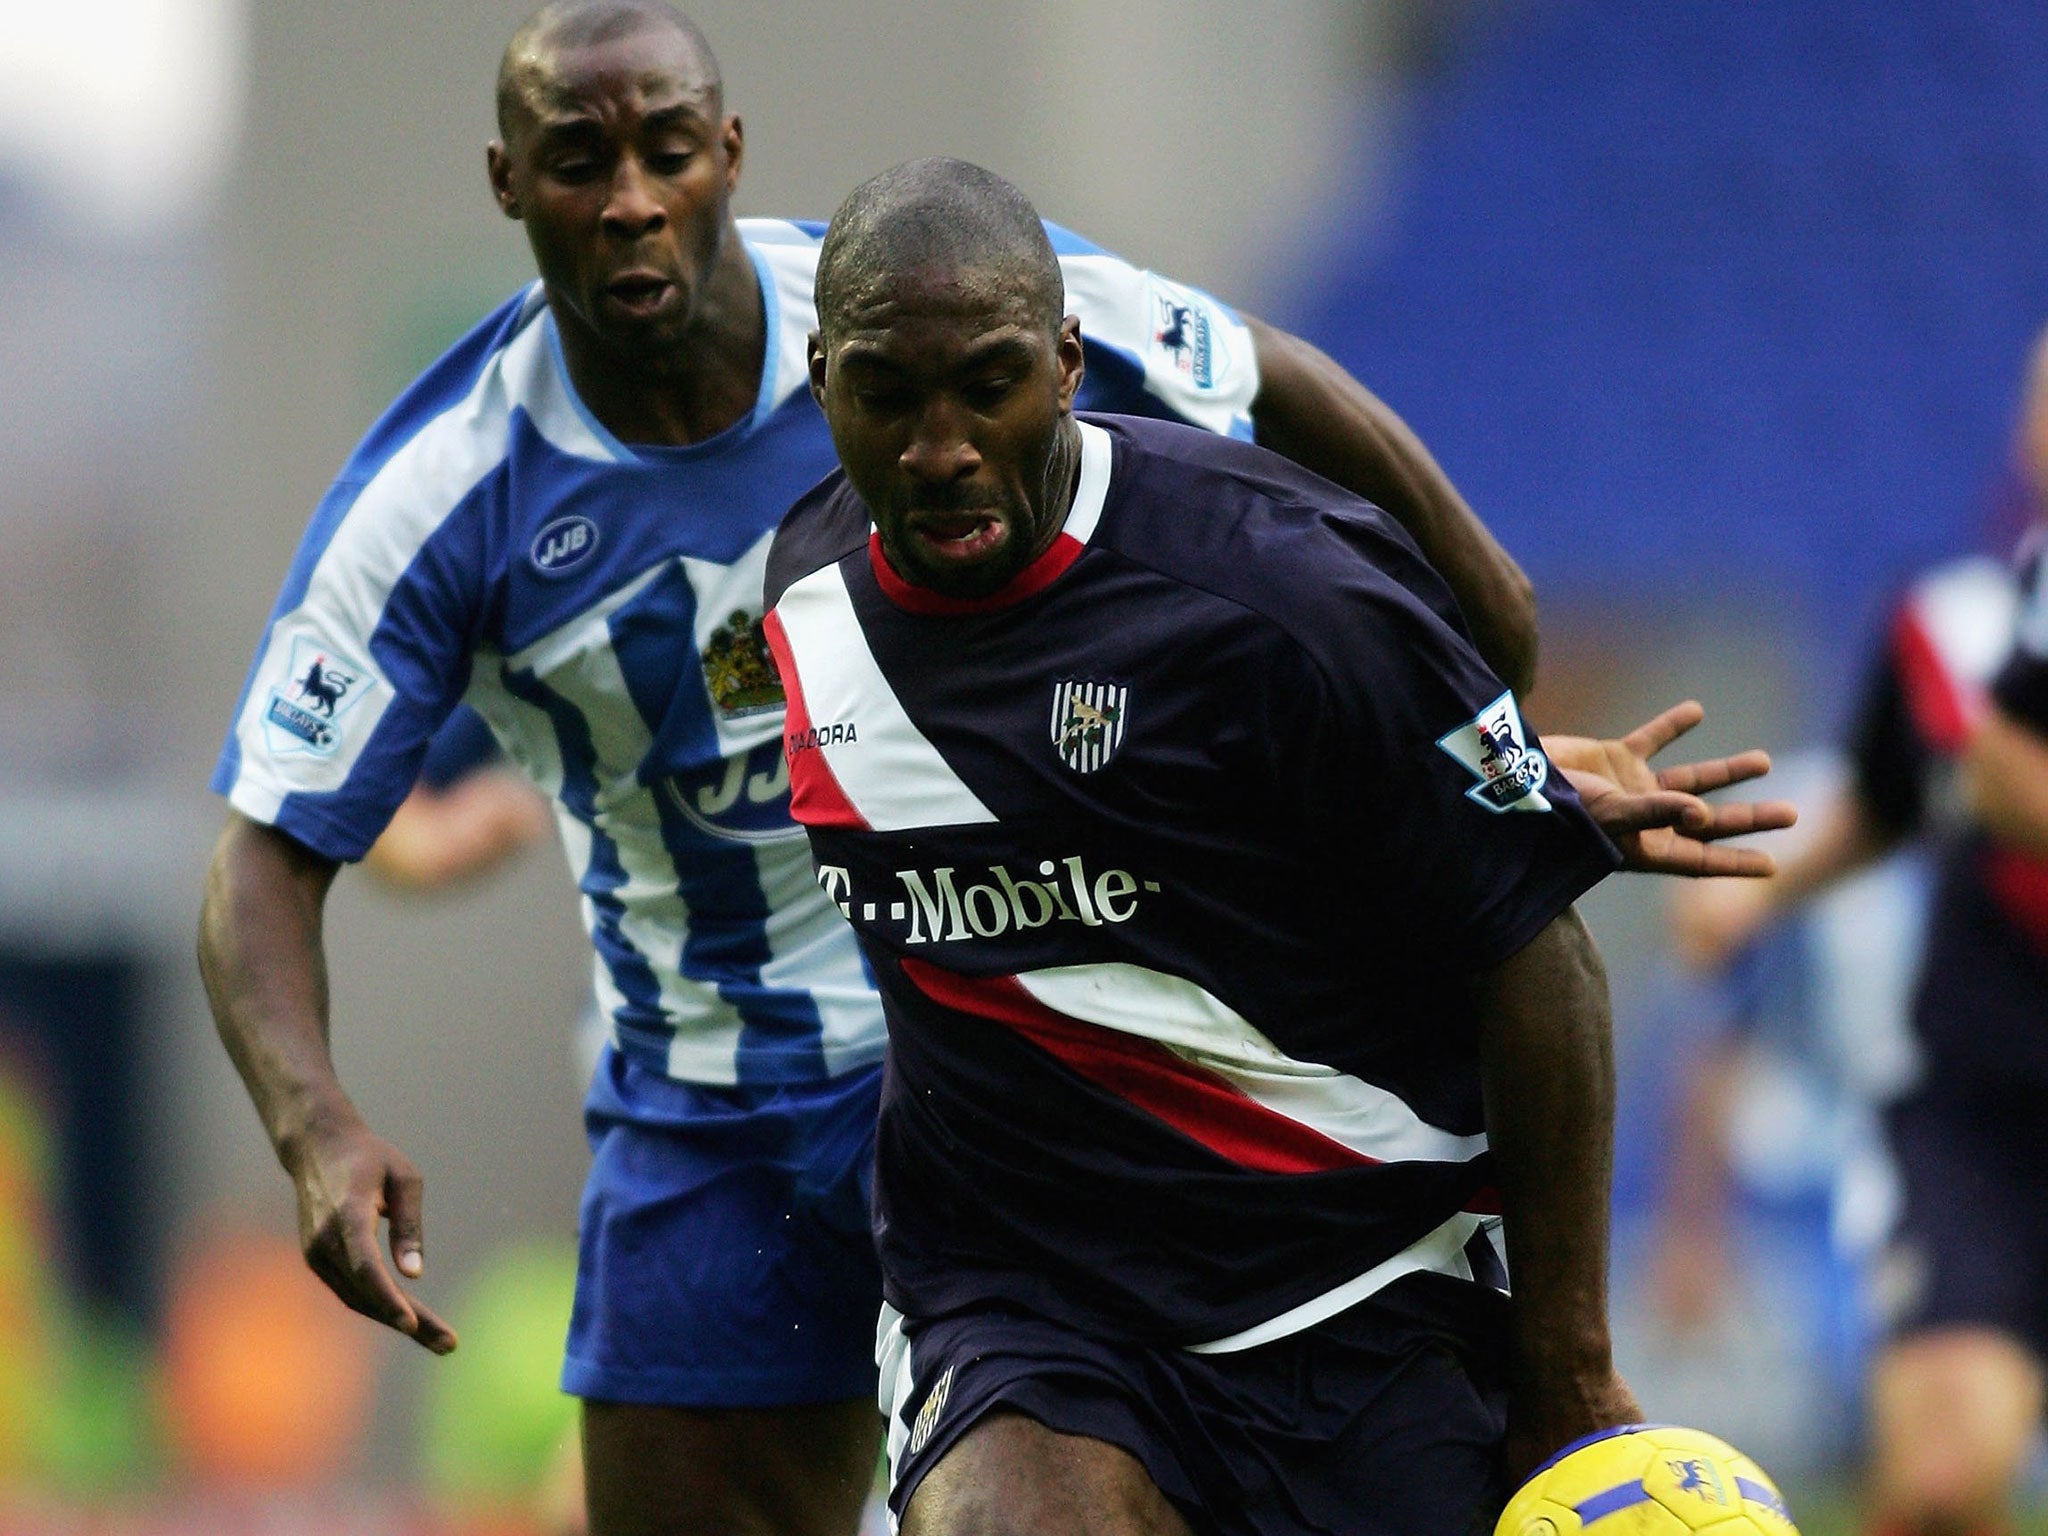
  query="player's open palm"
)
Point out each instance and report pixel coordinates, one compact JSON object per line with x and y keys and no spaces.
{"x":1656,"y":816}
{"x":348,"y":1179}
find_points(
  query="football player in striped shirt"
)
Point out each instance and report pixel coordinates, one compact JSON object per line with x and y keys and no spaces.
{"x":565,"y":522}
{"x":1949,"y":749}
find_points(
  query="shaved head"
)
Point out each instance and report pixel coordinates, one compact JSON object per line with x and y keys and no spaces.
{"x":584,"y":23}
{"x":955,"y":222}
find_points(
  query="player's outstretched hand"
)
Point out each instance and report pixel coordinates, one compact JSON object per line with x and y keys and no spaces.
{"x":1656,"y":816}
{"x":347,"y":1177}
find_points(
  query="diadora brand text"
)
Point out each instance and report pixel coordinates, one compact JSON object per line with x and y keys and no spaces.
{"x":811,"y":737}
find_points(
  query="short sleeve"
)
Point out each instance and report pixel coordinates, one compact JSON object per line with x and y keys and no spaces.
{"x":464,"y":745}
{"x":1156,"y":347}
{"x":366,"y":653}
{"x":1419,"y":773}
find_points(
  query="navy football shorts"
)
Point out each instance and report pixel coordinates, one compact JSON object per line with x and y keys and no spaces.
{"x":1386,"y":1420}
{"x":1971,"y":1247}
{"x":725,"y":1255}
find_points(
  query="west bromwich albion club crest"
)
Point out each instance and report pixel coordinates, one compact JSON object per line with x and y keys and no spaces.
{"x":320,"y":688}
{"x":738,"y":670}
{"x":1088,"y":723}
{"x":1494,"y":745}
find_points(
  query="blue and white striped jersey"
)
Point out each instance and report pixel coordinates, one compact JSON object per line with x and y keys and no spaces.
{"x":599,"y":605}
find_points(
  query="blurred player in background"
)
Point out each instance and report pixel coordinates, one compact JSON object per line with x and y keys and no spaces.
{"x":1951,"y":744}
{"x":1776,"y":1191}
{"x":469,"y":813}
{"x":1190,"y":1201}
{"x":564,"y":522}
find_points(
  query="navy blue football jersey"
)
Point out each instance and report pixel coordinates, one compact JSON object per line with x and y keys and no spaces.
{"x":1172,"y":860}
{"x":1965,"y":633}
{"x":1981,"y":1013}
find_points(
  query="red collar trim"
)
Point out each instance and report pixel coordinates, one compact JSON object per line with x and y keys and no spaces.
{"x":1033,"y":579}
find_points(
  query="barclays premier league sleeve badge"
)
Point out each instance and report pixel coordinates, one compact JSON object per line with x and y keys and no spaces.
{"x":306,"y":713}
{"x":1494,"y":745}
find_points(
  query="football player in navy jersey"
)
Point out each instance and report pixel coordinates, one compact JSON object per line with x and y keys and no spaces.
{"x":1241,"y":1026}
{"x":564,"y":522}
{"x":1949,"y":747}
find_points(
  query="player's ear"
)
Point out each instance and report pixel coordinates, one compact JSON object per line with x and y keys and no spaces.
{"x":1073,"y":362}
{"x":815,"y":352}
{"x":735,"y":139}
{"x":498,"y":165}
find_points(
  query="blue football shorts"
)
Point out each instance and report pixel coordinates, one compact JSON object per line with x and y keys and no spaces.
{"x":725,"y":1258}
{"x":1971,"y":1247}
{"x":1385,"y":1420}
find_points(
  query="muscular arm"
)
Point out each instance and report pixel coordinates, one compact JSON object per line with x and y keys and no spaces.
{"x":1315,"y":413}
{"x":2005,"y":778}
{"x":262,"y":958}
{"x":1547,"y":1062}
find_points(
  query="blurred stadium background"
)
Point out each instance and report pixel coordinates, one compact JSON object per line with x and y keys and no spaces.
{"x":1717,"y":312}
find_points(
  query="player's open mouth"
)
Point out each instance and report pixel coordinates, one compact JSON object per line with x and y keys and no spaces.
{"x":639,"y":293}
{"x":960,"y":536}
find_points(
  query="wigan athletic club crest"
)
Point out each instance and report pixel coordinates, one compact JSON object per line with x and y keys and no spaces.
{"x":1494,"y":746}
{"x":1088,"y":723}
{"x":738,"y":670}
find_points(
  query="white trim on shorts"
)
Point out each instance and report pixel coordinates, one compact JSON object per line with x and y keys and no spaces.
{"x":1439,"y":1251}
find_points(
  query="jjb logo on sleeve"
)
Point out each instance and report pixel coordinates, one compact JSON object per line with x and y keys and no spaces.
{"x":1494,"y":745}
{"x":1088,"y":723}
{"x":306,"y":712}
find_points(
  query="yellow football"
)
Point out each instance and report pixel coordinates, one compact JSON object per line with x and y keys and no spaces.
{"x":1648,"y":1480}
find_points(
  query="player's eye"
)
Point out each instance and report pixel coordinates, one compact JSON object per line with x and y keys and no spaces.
{"x":986,"y":393}
{"x":576,"y":170}
{"x":670,"y":162}
{"x":882,"y":399}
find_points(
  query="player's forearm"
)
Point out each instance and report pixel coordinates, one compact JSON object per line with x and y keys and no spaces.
{"x":1315,"y":413}
{"x":2005,"y":779}
{"x":261,"y":956}
{"x":1547,"y":1058}
{"x":440,"y":839}
{"x":1697,"y":1176}
{"x":1849,"y":838}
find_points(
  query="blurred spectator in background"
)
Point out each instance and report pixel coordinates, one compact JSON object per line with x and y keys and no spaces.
{"x":1950,"y":747}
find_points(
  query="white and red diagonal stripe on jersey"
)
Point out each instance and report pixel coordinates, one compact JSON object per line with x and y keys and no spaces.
{"x":1177,"y":1052}
{"x":889,"y":778}
{"x":1951,"y":633}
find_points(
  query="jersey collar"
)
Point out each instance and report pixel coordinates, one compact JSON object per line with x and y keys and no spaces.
{"x":1041,"y":573}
